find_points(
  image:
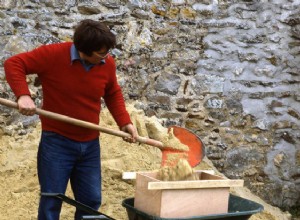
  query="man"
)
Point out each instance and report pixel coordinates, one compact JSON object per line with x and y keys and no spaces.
{"x":74,"y":77}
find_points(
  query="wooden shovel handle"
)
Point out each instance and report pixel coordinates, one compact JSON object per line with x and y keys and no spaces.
{"x":85,"y":124}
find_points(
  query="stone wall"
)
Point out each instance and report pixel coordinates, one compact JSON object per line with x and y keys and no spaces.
{"x":226,"y":69}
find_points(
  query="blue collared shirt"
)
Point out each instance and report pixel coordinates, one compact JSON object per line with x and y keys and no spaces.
{"x":75,"y":56}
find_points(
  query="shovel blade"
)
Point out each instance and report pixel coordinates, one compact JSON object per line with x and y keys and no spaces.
{"x":194,"y":155}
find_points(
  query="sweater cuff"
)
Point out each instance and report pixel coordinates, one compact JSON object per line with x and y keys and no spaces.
{"x":124,"y":121}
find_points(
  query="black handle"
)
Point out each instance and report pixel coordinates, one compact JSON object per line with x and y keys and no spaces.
{"x":83,"y":207}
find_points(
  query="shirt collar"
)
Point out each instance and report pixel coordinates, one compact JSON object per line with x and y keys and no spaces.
{"x":75,"y":56}
{"x":74,"y":53}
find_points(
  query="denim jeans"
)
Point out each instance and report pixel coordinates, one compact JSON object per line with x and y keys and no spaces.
{"x":60,"y":160}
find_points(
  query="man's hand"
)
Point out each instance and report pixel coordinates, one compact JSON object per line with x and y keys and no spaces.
{"x":26,"y":105}
{"x":129,"y":128}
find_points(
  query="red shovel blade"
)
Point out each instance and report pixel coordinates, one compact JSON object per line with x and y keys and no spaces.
{"x":194,"y":155}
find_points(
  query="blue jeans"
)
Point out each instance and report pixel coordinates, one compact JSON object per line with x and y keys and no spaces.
{"x":60,"y":160}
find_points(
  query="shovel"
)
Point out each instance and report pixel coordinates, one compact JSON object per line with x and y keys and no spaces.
{"x":193,"y":155}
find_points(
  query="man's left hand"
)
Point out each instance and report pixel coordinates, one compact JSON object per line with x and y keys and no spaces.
{"x":130,"y":129}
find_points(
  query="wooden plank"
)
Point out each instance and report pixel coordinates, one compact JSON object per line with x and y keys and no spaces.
{"x":129,"y":175}
{"x":184,"y":203}
{"x":148,"y":201}
{"x":195,"y":184}
{"x":132,"y":175}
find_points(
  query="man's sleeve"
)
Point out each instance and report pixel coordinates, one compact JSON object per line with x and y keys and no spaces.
{"x":18,"y":66}
{"x":115,"y":101}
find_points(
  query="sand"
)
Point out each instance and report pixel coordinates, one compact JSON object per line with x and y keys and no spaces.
{"x":156,"y":131}
{"x":181,"y":171}
{"x":19,"y":187}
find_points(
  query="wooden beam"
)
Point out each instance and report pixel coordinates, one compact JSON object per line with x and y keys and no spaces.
{"x":129,"y":175}
{"x":195,"y":184}
{"x":132,"y":175}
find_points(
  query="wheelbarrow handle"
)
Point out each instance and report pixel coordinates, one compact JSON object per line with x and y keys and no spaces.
{"x":85,"y":124}
{"x":96,"y":214}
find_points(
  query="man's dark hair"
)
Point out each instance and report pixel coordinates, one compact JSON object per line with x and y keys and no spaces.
{"x":90,"y":36}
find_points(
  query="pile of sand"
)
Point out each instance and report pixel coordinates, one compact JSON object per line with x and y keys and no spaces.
{"x":19,"y":188}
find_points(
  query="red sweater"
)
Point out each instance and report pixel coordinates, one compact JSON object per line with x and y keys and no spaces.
{"x":68,"y":88}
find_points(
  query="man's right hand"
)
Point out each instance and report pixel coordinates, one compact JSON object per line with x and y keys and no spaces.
{"x":26,"y":105}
